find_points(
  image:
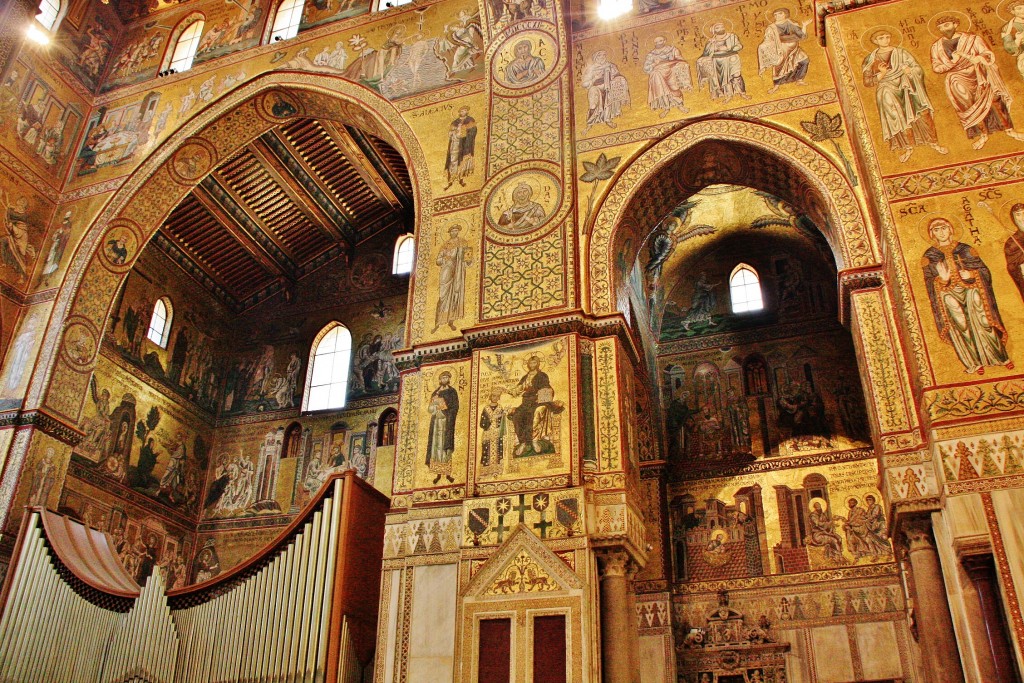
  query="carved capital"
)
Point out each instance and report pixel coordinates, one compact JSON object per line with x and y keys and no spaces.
{"x":979,"y":568}
{"x":612,"y":562}
{"x":918,"y":532}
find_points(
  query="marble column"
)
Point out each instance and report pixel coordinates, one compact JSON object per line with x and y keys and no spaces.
{"x":931,"y":605}
{"x":981,"y":570}
{"x":618,"y":664}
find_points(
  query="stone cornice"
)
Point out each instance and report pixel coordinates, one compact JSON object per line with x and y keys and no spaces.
{"x":484,"y":337}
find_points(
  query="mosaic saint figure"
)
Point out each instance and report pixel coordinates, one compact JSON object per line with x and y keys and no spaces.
{"x":719,"y":66}
{"x":525,"y":67}
{"x":15,"y":248}
{"x":524,"y":213}
{"x":860,"y":538}
{"x":780,"y":50}
{"x":668,"y":76}
{"x":530,"y":418}
{"x":963,"y":301}
{"x":876,"y":524}
{"x":905,"y":112}
{"x":973,"y":84}
{"x":443,"y":409}
{"x":607,"y":90}
{"x":454,"y":259}
{"x":703,"y":303}
{"x":461,"y":148}
{"x":739,"y":420}
{"x":58,"y":243}
{"x":172,"y":483}
{"x":492,"y":422}
{"x":1014,"y":248}
{"x":1013,"y":33}
{"x":823,"y":535}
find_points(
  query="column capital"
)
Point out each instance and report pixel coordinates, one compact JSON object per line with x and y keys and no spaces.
{"x":979,"y":567}
{"x":615,"y":561}
{"x":918,"y":532}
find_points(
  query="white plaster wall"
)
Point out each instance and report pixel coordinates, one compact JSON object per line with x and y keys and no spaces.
{"x":432,"y":626}
{"x":1009,"y":507}
{"x":654,"y":653}
{"x":876,"y":642}
{"x":832,"y":658}
{"x":395,"y":579}
{"x":797,"y":661}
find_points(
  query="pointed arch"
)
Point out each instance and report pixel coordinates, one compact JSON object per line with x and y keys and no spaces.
{"x":86,"y":298}
{"x":745,"y":289}
{"x":719,"y":150}
{"x":327,"y":370}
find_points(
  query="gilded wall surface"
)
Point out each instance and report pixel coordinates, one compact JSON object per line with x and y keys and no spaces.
{"x":563,"y":361}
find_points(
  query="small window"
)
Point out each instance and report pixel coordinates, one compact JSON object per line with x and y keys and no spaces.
{"x":185,"y":48}
{"x":160,"y":323}
{"x":745,"y":290}
{"x":388,"y":4}
{"x":287,"y":20}
{"x":327,"y":383}
{"x":405,"y":252}
{"x":48,"y":12}
{"x":386,"y":432}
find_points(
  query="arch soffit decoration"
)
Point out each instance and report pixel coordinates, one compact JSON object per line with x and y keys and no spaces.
{"x":852,"y":242}
{"x":136,"y":211}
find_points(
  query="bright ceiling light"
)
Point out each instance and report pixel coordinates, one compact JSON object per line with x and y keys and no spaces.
{"x":610,"y":9}
{"x":36,"y":35}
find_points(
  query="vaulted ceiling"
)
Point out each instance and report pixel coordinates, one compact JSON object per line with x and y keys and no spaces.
{"x":290,"y":201}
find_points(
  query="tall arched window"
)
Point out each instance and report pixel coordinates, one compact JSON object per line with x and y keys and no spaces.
{"x":745,"y":289}
{"x":327,"y":381}
{"x":185,"y":49}
{"x":287,"y":20}
{"x":48,"y":12}
{"x":405,"y":251}
{"x":160,"y":322}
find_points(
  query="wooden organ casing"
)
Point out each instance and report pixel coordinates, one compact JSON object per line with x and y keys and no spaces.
{"x":302,"y":610}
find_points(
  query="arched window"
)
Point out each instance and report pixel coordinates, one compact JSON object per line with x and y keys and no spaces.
{"x":287,"y":20}
{"x":386,"y":429}
{"x":405,"y":251}
{"x":49,"y":10}
{"x":185,"y":48}
{"x":160,"y":322}
{"x":745,"y":290}
{"x":327,"y":382}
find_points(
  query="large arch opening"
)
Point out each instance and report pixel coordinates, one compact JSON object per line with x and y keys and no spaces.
{"x":768,"y":462}
{"x":265,"y":218}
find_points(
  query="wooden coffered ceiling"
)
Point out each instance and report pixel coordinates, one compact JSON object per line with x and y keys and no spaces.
{"x":290,"y":201}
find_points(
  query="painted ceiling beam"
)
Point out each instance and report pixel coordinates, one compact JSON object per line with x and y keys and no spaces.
{"x":209,"y":281}
{"x":384,"y":171}
{"x":311,"y":182}
{"x":371,"y":170}
{"x":295,"y":192}
{"x":250,"y":233}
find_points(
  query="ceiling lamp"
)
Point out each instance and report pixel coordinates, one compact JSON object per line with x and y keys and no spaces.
{"x":611,"y":9}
